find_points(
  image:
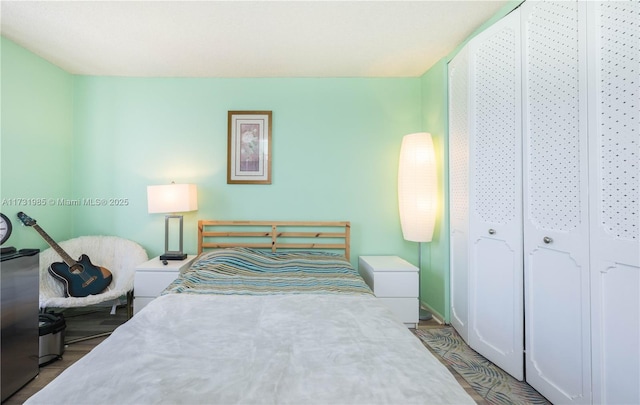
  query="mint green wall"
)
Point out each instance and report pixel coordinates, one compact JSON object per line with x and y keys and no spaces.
{"x":435,"y":274}
{"x":434,"y":83}
{"x":335,"y":153}
{"x":36,"y":143}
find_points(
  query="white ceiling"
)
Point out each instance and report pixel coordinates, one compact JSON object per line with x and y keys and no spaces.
{"x":243,"y":38}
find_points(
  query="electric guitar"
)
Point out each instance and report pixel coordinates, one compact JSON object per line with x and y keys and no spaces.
{"x":80,"y":278}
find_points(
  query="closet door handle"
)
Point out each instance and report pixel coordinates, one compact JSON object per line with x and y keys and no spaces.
{"x":492,"y":231}
{"x":547,"y":240}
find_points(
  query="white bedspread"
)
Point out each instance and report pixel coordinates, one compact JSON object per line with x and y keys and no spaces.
{"x":280,"y":349}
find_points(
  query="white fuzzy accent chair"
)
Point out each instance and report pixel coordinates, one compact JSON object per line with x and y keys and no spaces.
{"x":118,"y":255}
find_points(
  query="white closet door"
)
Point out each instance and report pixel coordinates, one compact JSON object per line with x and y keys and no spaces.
{"x":495,"y":231}
{"x":459,"y":190}
{"x":556,"y":213}
{"x":614,"y":114}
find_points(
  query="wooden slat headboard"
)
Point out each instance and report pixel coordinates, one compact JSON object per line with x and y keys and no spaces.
{"x":274,"y":235}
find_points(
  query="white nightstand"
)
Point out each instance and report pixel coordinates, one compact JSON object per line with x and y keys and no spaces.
{"x":395,"y":282}
{"x":153,"y":276}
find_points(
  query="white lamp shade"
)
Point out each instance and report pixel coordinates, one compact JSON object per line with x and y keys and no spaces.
{"x":172,"y":198}
{"x":417,"y":187}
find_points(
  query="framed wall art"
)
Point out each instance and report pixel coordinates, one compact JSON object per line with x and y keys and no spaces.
{"x":249,"y":147}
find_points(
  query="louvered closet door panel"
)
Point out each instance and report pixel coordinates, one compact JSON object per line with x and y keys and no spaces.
{"x":459,"y":190}
{"x":495,"y":234}
{"x":614,"y":120}
{"x":556,"y":217}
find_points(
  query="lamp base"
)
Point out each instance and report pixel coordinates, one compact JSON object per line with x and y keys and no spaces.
{"x":424,"y":315}
{"x":173,"y":256}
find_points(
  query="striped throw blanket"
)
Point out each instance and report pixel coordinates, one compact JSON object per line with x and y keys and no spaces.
{"x":253,"y":272}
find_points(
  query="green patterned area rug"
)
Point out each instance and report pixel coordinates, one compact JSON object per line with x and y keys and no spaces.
{"x":490,"y":382}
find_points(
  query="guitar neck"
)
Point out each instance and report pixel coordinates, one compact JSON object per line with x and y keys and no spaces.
{"x":67,"y":259}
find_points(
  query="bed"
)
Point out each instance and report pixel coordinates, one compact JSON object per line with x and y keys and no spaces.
{"x":259,"y":319}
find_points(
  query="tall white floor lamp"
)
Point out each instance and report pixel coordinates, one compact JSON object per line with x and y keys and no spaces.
{"x":417,"y":195}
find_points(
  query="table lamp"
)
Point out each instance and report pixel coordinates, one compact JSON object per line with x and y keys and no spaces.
{"x":171,"y":199}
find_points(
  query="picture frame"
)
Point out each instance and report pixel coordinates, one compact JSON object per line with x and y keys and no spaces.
{"x":249,"y":147}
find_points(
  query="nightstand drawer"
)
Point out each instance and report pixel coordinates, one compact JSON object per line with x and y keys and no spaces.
{"x":394,"y":282}
{"x":153,"y":277}
{"x":139,"y":303}
{"x":405,"y":309}
{"x":151,"y":283}
{"x":396,"y":285}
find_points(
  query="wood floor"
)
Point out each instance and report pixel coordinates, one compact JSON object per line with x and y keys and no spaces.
{"x":87,"y":322}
